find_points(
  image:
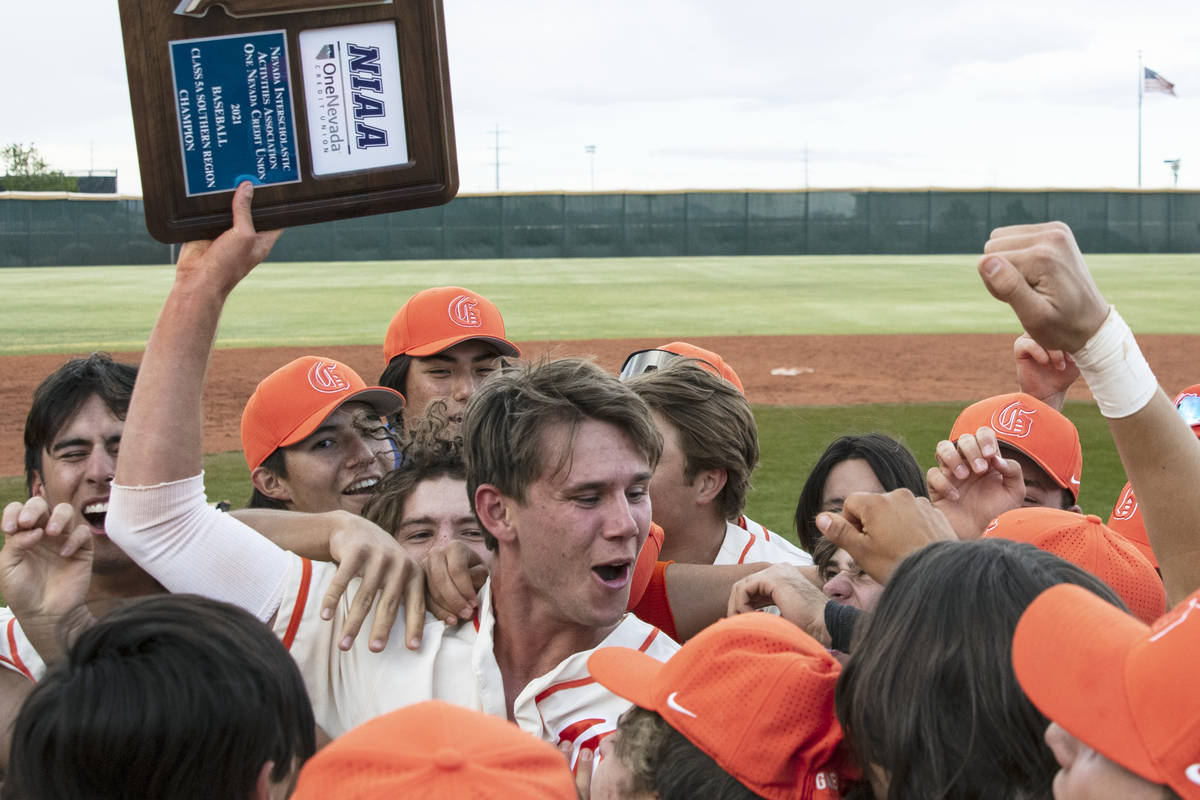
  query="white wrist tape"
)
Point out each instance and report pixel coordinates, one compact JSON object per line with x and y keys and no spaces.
{"x":190,"y":547}
{"x":1115,"y":370}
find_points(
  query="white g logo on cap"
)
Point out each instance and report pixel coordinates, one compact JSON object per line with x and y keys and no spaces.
{"x":1014,"y":419}
{"x":464,"y":311}
{"x":326,"y":378}
{"x":1193,"y":774}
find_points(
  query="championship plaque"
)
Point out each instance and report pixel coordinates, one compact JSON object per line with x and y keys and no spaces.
{"x":331,"y":109}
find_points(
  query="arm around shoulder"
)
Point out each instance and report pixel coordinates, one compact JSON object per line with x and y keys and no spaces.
{"x":187,"y":546}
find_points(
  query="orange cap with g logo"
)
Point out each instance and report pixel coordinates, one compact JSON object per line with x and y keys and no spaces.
{"x":439,"y":318}
{"x":1025,"y":423}
{"x":293,"y":401}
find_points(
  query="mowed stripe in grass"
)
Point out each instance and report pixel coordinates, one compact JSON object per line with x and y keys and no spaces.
{"x":791,"y":440}
{"x":74,"y":309}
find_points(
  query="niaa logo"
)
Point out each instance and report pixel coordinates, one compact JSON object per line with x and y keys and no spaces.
{"x":1014,"y":419}
{"x":366,"y":76}
{"x":463,"y":312}
{"x":325,"y":377}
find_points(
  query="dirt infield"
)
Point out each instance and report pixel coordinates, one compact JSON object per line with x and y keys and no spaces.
{"x":825,"y":370}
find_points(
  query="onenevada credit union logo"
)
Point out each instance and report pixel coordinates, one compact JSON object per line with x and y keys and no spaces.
{"x":353,"y":98}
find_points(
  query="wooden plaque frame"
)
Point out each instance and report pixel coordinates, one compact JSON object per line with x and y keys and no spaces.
{"x":430,"y":176}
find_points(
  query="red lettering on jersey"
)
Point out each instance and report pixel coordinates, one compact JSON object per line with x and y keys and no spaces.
{"x":575,"y":729}
{"x":593,"y":743}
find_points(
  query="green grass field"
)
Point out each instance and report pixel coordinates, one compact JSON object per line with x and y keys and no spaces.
{"x":81,"y":309}
{"x":73,"y":309}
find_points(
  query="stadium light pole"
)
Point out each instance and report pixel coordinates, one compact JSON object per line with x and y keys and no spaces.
{"x":1173,"y":163}
{"x":590,"y":149}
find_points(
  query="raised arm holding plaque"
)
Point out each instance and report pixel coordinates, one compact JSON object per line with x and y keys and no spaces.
{"x":331,"y":109}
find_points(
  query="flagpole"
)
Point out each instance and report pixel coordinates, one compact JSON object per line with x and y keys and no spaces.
{"x":1141,"y":86}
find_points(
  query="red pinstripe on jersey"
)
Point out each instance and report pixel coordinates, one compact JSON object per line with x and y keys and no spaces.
{"x":558,"y":687}
{"x":289,"y":635}
{"x":746,"y":549}
{"x":752,"y":527}
{"x":12,"y":648}
{"x":649,"y":640}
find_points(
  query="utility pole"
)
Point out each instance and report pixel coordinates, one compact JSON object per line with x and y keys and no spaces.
{"x":496,"y":131}
{"x":1141,"y":87}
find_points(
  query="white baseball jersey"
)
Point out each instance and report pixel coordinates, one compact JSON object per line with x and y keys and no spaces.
{"x":164,"y":526}
{"x":746,"y":542}
{"x":16,"y":653}
{"x":455,"y":664}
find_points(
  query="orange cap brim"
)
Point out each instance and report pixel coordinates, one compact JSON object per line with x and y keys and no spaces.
{"x":626,"y":672}
{"x":505,"y":347}
{"x":1046,"y":468}
{"x":1069,"y":653}
{"x":385,"y":402}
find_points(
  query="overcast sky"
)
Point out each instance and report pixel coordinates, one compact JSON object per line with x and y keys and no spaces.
{"x":678,"y":94}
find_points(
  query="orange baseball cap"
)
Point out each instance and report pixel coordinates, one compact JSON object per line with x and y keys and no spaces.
{"x":295,"y":399}
{"x":437,"y":319}
{"x":1027,"y":424}
{"x":641,"y":361}
{"x":1087,"y":542}
{"x":643,"y":569}
{"x":436,"y":750}
{"x":754,"y":692}
{"x":707,"y":358}
{"x":1126,"y":690}
{"x":1126,"y":519}
{"x":1126,"y":516}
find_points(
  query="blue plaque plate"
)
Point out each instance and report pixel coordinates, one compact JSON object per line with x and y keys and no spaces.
{"x":233,"y":102}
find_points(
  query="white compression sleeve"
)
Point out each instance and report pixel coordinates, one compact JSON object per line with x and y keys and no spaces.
{"x":187,"y":546}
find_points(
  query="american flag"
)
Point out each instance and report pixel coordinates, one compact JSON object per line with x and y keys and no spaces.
{"x":1157,"y":83}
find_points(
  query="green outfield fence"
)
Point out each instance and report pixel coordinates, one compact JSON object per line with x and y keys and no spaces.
{"x":77,"y":230}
